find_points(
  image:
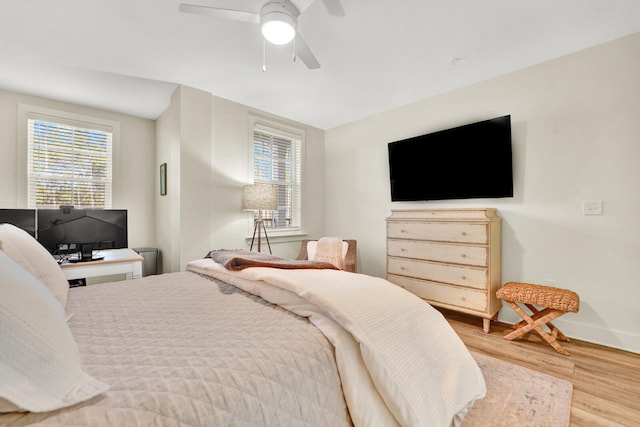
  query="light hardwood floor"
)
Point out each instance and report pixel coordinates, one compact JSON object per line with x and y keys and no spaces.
{"x":606,"y":381}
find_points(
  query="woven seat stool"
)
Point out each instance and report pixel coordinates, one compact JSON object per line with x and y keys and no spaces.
{"x":555,"y":303}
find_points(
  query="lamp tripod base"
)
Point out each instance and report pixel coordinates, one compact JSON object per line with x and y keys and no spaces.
{"x":259,"y":227}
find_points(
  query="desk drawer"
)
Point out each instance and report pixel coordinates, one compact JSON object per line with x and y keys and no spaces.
{"x":442,"y":294}
{"x":443,"y":232}
{"x":473,"y":277}
{"x":443,"y":252}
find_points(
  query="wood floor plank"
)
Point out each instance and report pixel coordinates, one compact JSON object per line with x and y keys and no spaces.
{"x":603,"y":409}
{"x":584,"y":418}
{"x":593,"y":382}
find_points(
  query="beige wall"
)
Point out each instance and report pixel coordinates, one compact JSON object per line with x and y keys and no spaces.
{"x":576,"y":127}
{"x":132,"y":162}
{"x":575,"y":138}
{"x":205,"y":142}
{"x":168,"y":207}
{"x":184,"y":144}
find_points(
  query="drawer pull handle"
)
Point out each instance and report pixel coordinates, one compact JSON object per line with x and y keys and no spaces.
{"x":464,"y":277}
{"x":464,"y":233}
{"x":403,"y":250}
{"x":402,"y":268}
{"x":464,"y":255}
{"x":403,"y":231}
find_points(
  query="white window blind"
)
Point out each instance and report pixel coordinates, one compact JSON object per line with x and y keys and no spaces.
{"x":68,"y":164}
{"x":277,"y":160}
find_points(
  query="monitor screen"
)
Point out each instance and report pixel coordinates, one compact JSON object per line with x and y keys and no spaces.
{"x":65,"y":229}
{"x":22,"y":218}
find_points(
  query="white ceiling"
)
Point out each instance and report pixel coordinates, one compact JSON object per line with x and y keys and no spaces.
{"x":129,"y":55}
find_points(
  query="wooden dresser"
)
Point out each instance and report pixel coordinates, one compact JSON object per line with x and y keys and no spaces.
{"x":448,"y":257}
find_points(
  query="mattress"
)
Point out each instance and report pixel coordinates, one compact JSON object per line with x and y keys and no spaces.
{"x":182,"y":349}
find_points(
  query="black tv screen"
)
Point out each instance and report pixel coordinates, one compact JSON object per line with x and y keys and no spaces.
{"x":465,"y":162}
{"x":65,"y":229}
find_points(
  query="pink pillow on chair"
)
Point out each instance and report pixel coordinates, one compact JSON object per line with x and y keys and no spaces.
{"x":329,"y":249}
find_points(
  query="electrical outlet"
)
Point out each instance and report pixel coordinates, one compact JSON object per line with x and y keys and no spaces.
{"x":592,"y":207}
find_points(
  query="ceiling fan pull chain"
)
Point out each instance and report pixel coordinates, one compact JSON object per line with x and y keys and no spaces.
{"x":264,"y":56}
{"x":294,"y":47}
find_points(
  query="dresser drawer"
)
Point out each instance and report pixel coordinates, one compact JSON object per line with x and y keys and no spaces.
{"x":443,"y":252}
{"x":441,"y":294}
{"x":443,"y":232}
{"x":473,"y":277}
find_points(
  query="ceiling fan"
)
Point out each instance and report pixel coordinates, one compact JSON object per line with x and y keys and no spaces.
{"x":278,"y":20}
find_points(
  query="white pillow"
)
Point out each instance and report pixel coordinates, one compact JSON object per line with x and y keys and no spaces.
{"x":312,"y":246}
{"x":34,"y":258}
{"x":39,"y":360}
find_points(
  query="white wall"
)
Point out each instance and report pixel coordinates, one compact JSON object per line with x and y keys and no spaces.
{"x":132,"y":162}
{"x":576,"y":127}
{"x":168,"y":207}
{"x":575,"y":136}
{"x":205,"y":142}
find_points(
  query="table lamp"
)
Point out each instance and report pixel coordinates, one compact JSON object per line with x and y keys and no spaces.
{"x":258,"y":198}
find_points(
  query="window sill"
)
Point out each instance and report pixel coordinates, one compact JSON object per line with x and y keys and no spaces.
{"x":282,"y":236}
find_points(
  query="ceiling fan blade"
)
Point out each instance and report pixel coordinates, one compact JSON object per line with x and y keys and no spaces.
{"x":236,"y":15}
{"x":334,"y":7}
{"x":304,"y":53}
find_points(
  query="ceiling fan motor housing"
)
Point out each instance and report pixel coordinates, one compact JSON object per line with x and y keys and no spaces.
{"x":278,"y":21}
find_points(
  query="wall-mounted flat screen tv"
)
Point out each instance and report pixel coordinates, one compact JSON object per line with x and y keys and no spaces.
{"x":465,"y":162}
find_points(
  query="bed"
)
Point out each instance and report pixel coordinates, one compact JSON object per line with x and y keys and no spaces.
{"x":209,"y":346}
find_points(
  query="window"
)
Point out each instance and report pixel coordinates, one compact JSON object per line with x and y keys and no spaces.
{"x":69,"y":163}
{"x":277,"y":160}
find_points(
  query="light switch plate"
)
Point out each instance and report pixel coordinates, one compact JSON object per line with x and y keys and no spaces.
{"x":592,"y":207}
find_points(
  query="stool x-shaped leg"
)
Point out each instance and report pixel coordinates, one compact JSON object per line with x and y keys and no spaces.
{"x":534,"y":322}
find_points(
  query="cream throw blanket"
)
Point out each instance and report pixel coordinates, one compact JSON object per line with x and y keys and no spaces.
{"x":399,"y":360}
{"x":329,"y":249}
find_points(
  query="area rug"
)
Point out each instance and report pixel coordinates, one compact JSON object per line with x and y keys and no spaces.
{"x":517,"y":396}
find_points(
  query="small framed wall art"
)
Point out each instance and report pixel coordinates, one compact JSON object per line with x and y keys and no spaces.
{"x":163,"y":179}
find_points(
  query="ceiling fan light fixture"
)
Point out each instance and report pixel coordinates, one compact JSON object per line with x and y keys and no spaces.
{"x":278,"y":23}
{"x":278,"y":32}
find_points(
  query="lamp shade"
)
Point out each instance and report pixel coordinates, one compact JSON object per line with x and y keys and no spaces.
{"x":259,"y":197}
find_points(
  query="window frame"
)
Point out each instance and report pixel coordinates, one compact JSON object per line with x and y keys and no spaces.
{"x":27,"y":112}
{"x":297,"y":136}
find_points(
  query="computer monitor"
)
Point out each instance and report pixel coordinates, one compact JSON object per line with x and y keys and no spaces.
{"x":22,"y":218}
{"x":66,"y":229}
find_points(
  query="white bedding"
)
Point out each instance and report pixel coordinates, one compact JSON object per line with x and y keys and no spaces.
{"x":183,"y":349}
{"x":399,"y":360}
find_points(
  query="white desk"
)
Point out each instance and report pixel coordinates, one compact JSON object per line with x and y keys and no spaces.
{"x":116,"y":261}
